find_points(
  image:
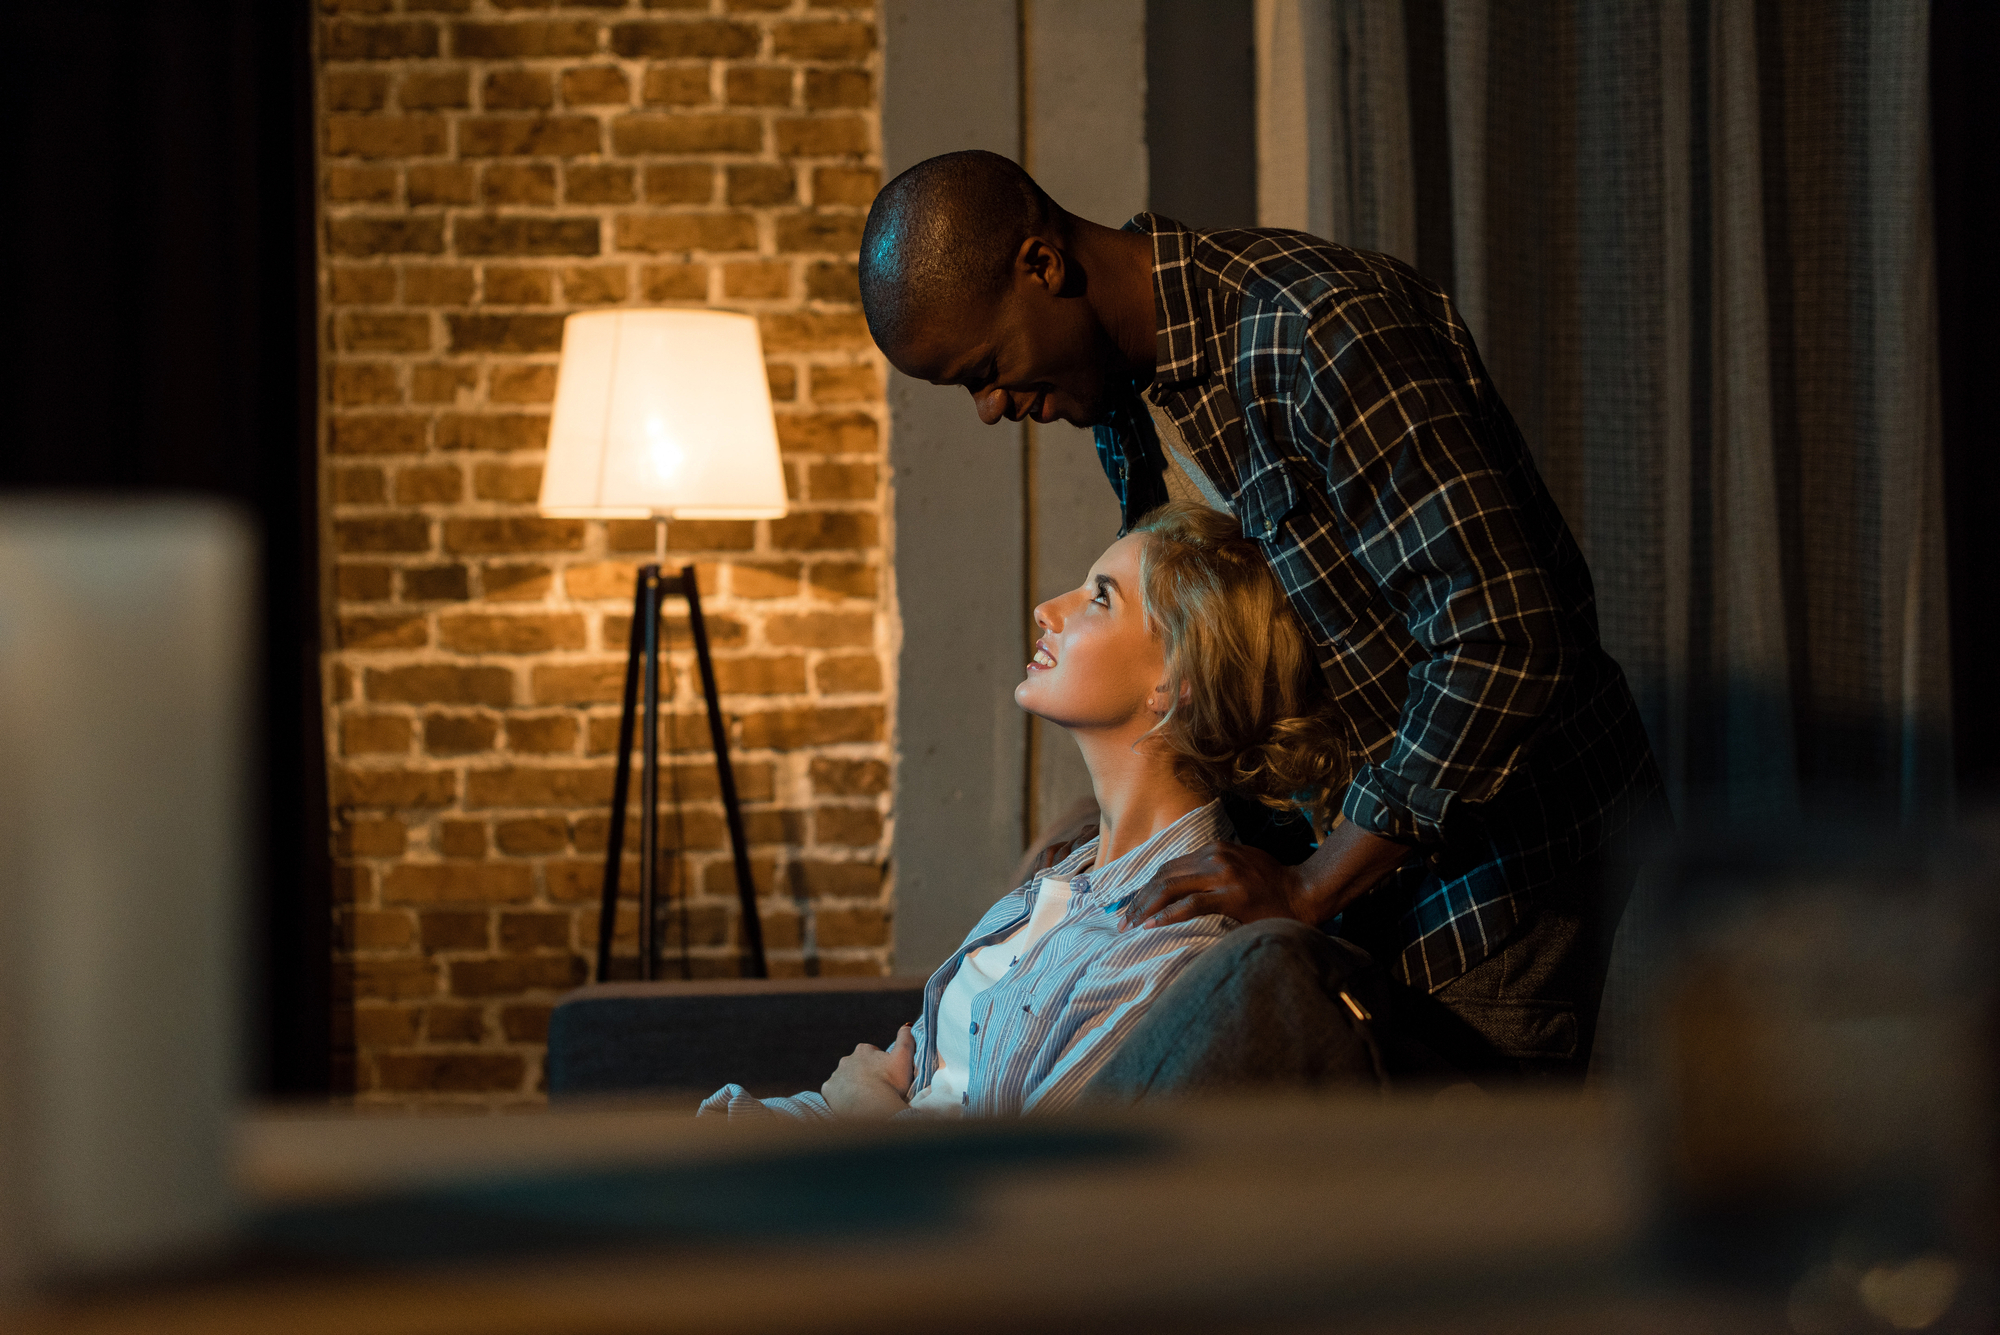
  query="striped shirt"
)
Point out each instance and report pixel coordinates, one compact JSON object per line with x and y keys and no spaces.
{"x":1055,"y":1017}
{"x":1338,"y":401}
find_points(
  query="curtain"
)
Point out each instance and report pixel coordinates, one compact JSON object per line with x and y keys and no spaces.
{"x":1693,"y":241}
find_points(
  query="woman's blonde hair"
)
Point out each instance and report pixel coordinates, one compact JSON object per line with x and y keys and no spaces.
{"x":1251,"y":714}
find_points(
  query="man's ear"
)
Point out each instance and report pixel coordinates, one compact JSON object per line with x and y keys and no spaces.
{"x":1041,"y":264}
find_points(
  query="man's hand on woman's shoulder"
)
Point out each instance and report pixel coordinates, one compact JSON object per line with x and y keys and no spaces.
{"x":871,"y":1083}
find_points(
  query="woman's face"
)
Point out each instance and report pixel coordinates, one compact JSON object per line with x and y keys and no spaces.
{"x":1097,"y":665}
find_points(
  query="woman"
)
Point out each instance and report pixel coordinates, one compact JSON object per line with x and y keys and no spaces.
{"x":1178,"y":669}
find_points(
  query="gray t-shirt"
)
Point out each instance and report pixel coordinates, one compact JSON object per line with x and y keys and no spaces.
{"x":1185,"y":479}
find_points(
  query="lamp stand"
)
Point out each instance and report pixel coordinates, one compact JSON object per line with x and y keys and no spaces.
{"x":643,"y":661}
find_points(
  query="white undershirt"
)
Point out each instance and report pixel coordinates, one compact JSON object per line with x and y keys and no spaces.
{"x":979,"y":970}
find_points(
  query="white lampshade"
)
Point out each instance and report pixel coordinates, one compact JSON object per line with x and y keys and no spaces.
{"x":662,"y":413}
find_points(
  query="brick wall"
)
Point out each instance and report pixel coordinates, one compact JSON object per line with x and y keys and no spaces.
{"x":486,"y":167}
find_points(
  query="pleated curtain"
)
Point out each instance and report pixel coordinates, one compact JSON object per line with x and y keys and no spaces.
{"x":1693,"y":241}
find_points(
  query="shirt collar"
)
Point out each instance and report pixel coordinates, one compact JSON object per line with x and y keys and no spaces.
{"x":1130,"y":870}
{"x":1178,"y":353}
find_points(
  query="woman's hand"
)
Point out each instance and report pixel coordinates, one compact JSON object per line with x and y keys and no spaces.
{"x":871,"y":1083}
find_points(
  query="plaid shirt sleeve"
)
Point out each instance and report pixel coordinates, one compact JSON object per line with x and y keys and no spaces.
{"x":1431,"y":502}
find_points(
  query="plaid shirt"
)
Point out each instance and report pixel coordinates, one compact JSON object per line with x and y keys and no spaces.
{"x":1338,"y":401}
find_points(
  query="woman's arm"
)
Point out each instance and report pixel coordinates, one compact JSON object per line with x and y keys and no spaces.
{"x":871,"y":1083}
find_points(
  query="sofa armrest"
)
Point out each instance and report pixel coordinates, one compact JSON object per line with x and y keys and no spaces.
{"x":772,"y":1036}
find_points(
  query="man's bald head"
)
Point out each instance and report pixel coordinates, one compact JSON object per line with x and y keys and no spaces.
{"x":942,"y":238}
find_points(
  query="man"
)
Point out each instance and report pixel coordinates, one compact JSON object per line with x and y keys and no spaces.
{"x":1334,"y":403}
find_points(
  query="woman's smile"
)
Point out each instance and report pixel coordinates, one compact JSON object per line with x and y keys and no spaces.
{"x":1044,"y":657}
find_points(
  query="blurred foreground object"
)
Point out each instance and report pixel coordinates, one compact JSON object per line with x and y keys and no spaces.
{"x":664,"y":414}
{"x":1822,"y":1071}
{"x":125,"y":644}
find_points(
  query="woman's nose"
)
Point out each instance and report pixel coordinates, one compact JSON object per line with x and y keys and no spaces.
{"x":1045,"y":616}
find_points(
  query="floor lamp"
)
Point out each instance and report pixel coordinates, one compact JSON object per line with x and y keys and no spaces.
{"x":663,"y":414}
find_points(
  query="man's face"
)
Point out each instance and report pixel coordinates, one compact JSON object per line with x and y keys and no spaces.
{"x":1032,"y":353}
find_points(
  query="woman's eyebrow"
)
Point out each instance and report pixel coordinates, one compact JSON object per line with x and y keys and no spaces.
{"x":1104,"y":582}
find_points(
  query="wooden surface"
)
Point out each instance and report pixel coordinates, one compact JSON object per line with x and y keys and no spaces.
{"x":1406,"y":1215}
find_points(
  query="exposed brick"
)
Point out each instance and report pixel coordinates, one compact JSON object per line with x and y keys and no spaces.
{"x":458,"y":883}
{"x":842,"y":579}
{"x":677,"y":86}
{"x":837,"y":880}
{"x":346,"y":40}
{"x":385,"y":236}
{"x":787,"y":729}
{"x":507,"y":285}
{"x":850,"y":926}
{"x":385,"y":1026}
{"x":578,"y":683}
{"x":680,"y":183}
{"x":757,"y":279}
{"x":827,"y":433}
{"x":365,"y":930}
{"x":759,"y":86}
{"x":704,"y":39}
{"x":505,"y":333}
{"x":851,"y":186}
{"x":355,"y":285}
{"x":429,"y":484}
{"x":784,"y":382}
{"x":459,"y":734}
{"x":762,"y":183}
{"x":843,"y":482}
{"x":538,"y":786}
{"x":385,"y":136}
{"x":762,"y":675}
{"x":595,"y":86}
{"x":507,"y":482}
{"x":433,"y":87}
{"x":684,"y":535}
{"x":476,"y":633}
{"x":518,"y":533}
{"x":525,"y":39}
{"x":824,"y":630}
{"x":658,"y":233}
{"x":349,"y":184}
{"x":847,"y":778}
{"x":601,"y":580}
{"x":525,"y":236}
{"x":852,"y":673}
{"x":505,"y":977}
{"x":394,"y":788}
{"x":834,"y":282}
{"x":846,"y":384}
{"x":596,"y":284}
{"x":382,"y":632}
{"x":821,"y":136}
{"x":526,"y":1024}
{"x":364,"y":383}
{"x":435,"y":584}
{"x":456,"y":929}
{"x":362,"y":584}
{"x":510,"y":582}
{"x":534,"y":931}
{"x":842,"y":40}
{"x":440,"y":183}
{"x":673,"y":282}
{"x":527,"y":136}
{"x":390,"y":533}
{"x":813,"y":530}
{"x":517,"y":90}
{"x":461,"y":839}
{"x":644,"y":133}
{"x":394,"y":979}
{"x":536,"y":834}
{"x":814,"y":331}
{"x":354,"y":90}
{"x":856,"y":826}
{"x":379,"y":434}
{"x":523,"y":384}
{"x":439,"y":683}
{"x":839,"y":88}
{"x":374,"y":734}
{"x":599,"y":183}
{"x":441,"y":382}
{"x":517,"y":183}
{"x":437,"y":284}
{"x":449,"y":1072}
{"x":380,"y":332}
{"x":454,"y":1024}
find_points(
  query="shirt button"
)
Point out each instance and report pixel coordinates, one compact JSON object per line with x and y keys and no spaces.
{"x":964,"y":1100}
{"x":975,"y":1026}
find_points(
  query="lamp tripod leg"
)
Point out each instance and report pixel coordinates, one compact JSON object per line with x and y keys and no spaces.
{"x":621,"y":786}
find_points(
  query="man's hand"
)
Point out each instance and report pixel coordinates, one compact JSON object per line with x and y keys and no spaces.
{"x":1235,"y":880}
{"x":871,"y":1083}
{"x":1247,"y":883}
